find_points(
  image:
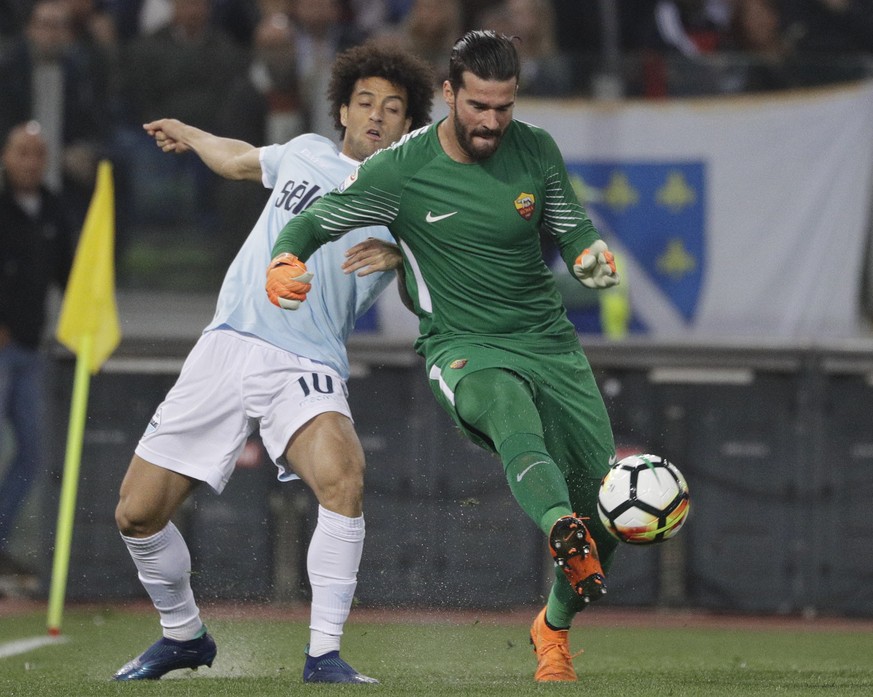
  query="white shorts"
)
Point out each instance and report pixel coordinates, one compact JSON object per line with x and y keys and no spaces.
{"x":232,"y":384}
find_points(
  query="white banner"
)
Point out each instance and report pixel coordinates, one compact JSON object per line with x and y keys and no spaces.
{"x":735,"y":216}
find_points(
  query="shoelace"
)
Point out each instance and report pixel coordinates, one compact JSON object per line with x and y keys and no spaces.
{"x":562,"y":648}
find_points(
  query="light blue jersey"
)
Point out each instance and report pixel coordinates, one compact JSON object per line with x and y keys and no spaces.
{"x":299,"y":172}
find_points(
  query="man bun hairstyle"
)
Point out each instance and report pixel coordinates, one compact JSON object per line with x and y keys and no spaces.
{"x":486,"y":54}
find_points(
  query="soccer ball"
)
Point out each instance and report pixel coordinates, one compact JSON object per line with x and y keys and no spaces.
{"x":643,"y":499}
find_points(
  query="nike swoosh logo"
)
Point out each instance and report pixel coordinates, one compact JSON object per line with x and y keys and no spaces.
{"x":431,"y":218}
{"x":527,"y":469}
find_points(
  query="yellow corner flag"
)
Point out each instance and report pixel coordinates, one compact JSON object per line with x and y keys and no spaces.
{"x":89,"y":327}
{"x":89,"y":309}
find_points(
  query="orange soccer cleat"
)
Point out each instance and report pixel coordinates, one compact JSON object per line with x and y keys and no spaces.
{"x":552,"y":648}
{"x":575,"y":553}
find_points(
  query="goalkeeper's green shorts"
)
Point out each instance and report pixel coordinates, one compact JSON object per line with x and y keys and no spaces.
{"x":575,"y":423}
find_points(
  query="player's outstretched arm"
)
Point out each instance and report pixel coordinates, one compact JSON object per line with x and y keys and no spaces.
{"x":333,"y":215}
{"x":227,"y":157}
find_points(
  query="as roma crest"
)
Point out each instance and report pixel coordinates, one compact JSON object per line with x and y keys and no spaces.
{"x":525,"y":205}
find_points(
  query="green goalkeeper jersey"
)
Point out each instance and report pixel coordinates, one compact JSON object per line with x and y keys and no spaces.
{"x":469,"y":235}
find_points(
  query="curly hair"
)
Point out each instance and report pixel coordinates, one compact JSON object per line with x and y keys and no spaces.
{"x":394,"y":65}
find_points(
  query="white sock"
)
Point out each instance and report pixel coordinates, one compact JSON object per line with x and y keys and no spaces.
{"x":164,"y":565}
{"x":332,"y":563}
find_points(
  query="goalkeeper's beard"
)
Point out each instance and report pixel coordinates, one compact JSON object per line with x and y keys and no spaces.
{"x":465,"y":140}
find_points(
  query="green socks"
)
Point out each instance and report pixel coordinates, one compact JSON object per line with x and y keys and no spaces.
{"x":535,"y":480}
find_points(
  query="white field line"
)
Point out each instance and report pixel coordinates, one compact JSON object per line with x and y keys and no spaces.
{"x":14,"y":648}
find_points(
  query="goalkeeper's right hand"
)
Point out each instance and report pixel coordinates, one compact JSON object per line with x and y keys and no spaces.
{"x":287,"y":281}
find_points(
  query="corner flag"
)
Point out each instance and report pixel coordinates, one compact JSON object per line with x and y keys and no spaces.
{"x":89,"y":327}
{"x":89,"y":307}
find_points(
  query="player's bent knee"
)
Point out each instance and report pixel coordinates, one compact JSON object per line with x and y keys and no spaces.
{"x":341,"y":491}
{"x":135,"y":521}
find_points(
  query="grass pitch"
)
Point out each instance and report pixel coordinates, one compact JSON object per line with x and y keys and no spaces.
{"x":263,"y":656}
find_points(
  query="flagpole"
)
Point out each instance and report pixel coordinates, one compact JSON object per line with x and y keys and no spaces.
{"x":69,"y":486}
{"x":89,"y":327}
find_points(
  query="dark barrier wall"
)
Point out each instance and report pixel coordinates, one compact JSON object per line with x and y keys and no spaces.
{"x":776,"y":444}
{"x":229,"y":536}
{"x":442,"y":527}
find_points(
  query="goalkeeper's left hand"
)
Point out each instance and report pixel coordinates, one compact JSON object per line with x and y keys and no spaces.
{"x":595,"y":266}
{"x":287,"y":281}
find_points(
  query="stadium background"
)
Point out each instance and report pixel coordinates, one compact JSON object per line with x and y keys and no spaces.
{"x":771,"y":424}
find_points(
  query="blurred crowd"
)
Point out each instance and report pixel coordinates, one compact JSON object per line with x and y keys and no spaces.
{"x":90,"y":72}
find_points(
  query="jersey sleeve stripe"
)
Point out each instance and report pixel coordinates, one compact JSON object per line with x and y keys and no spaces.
{"x":371,"y":208}
{"x":560,"y":215}
{"x":424,"y":301}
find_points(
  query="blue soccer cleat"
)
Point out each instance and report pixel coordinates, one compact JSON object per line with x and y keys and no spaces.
{"x":168,"y":654}
{"x":331,"y":668}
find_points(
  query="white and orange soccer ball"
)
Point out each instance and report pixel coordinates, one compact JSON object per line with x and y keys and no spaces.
{"x":643,"y":499}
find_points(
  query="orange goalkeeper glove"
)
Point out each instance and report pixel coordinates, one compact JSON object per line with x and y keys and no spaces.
{"x":595,"y":266}
{"x":287,"y":281}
